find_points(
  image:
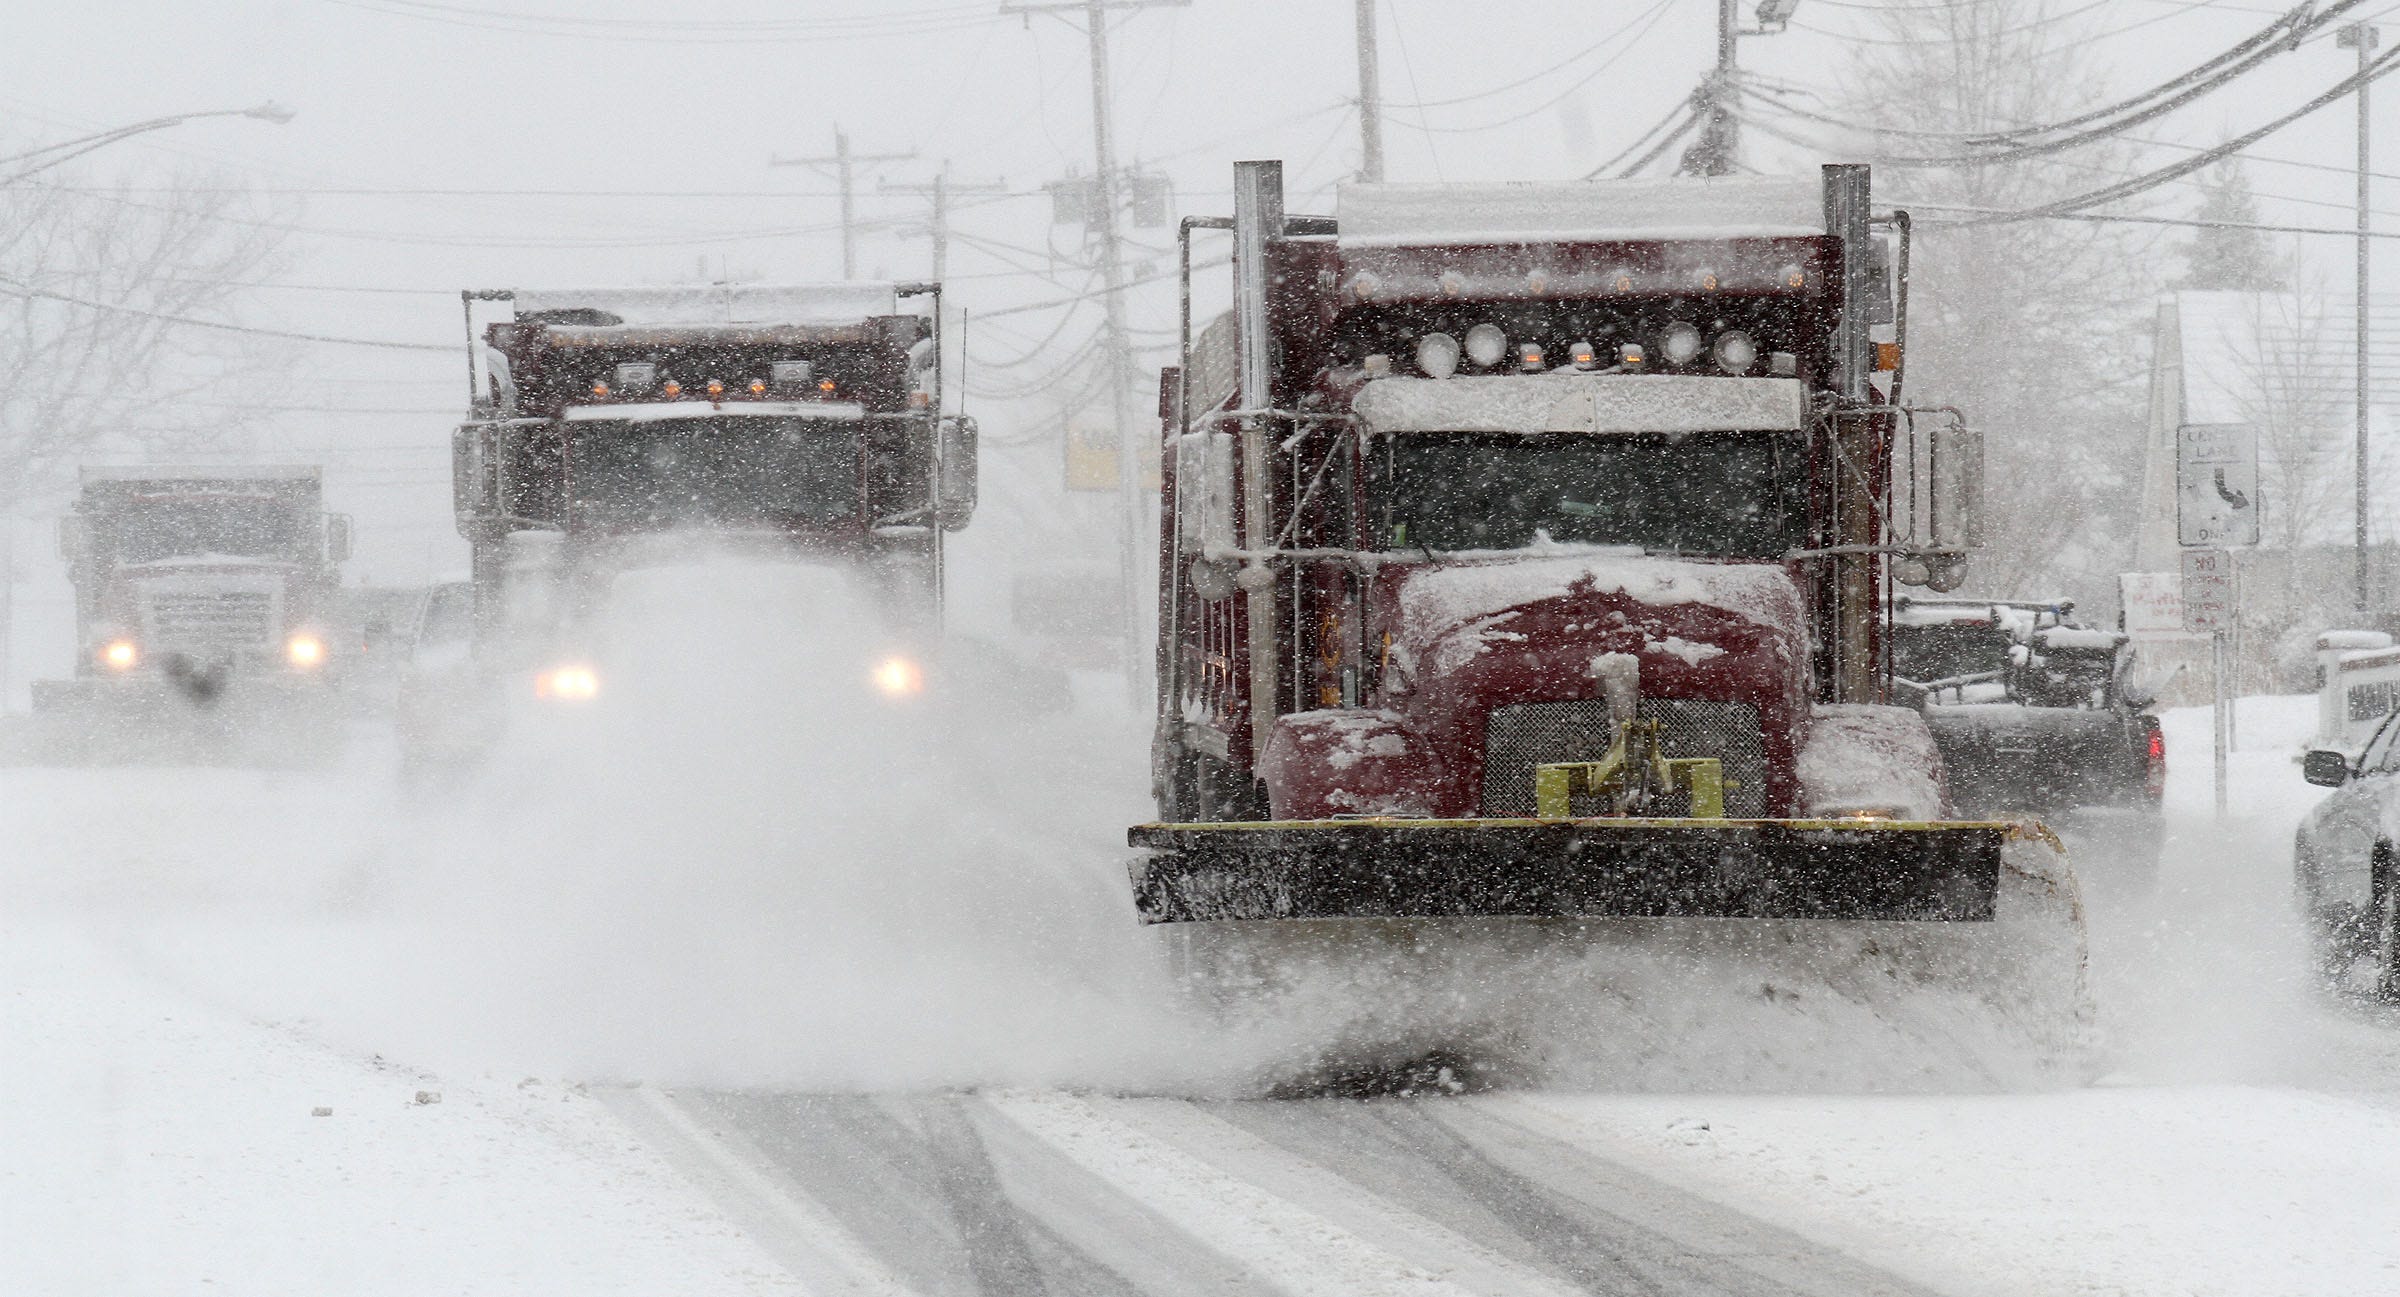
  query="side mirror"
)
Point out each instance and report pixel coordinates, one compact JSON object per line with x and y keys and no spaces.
{"x":1204,"y":491}
{"x":955,"y":492}
{"x":2325,"y":767}
{"x":1957,"y":486}
{"x":337,"y":538}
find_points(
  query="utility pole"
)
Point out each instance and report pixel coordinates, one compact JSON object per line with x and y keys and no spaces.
{"x":937,"y":227}
{"x":1116,"y":348}
{"x":2361,"y":37}
{"x":1370,"y":99}
{"x":1720,"y":140}
{"x":842,"y":164}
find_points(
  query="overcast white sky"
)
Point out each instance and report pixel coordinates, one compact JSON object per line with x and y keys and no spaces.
{"x":694,"y":97}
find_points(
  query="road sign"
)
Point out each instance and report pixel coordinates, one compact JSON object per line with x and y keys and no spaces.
{"x":2153,"y":603}
{"x":2207,"y":591}
{"x":2216,"y":484}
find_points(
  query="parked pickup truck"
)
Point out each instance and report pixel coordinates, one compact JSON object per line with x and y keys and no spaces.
{"x":2035,"y":715}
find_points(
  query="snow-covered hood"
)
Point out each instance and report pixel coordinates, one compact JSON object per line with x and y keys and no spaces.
{"x":1674,"y":610}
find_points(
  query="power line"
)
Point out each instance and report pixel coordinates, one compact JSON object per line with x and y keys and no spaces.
{"x":2150,"y":105}
{"x":635,"y":31}
{"x":1528,"y":79}
{"x":22,"y":290}
{"x":2018,"y":30}
{"x":1648,"y":20}
{"x":1999,"y":215}
{"x":2152,"y":180}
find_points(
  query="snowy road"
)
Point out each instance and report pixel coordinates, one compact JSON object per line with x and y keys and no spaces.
{"x":548,"y":1063}
{"x":1017,"y":1194}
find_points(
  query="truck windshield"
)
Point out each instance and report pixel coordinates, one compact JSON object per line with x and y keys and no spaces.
{"x":163,"y":527}
{"x":739,"y":471}
{"x":1711,"y":494}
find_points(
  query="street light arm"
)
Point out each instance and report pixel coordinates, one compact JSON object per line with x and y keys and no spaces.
{"x":67,"y":150}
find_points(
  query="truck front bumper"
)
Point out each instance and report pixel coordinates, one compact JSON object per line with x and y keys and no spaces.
{"x":1594,"y":868}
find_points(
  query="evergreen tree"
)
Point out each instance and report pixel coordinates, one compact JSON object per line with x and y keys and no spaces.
{"x":2229,"y":258}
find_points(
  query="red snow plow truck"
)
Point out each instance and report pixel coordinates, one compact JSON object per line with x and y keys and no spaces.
{"x":619,"y":429}
{"x":1528,"y":553}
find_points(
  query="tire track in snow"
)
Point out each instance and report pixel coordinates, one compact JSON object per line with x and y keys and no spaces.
{"x":1302,"y":1230}
{"x":786,"y":1224}
{"x":1043,"y":1194}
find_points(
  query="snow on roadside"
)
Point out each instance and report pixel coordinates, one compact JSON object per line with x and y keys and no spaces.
{"x":2191,"y":1192}
{"x":158,"y":1144}
{"x":2239,"y":1148}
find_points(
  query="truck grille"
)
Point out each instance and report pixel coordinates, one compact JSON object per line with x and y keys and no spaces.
{"x":1518,"y":737}
{"x":222,"y":620}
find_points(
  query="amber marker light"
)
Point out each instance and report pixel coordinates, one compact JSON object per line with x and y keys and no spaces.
{"x":758,"y":387}
{"x":825,"y":385}
{"x":599,"y":389}
{"x":672,"y":388}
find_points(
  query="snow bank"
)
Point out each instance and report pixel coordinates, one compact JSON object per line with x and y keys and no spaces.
{"x":1860,"y":757}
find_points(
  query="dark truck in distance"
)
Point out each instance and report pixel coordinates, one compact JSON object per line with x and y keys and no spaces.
{"x":204,"y":606}
{"x":2035,"y":715}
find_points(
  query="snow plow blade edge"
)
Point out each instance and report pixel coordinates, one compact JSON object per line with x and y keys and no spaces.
{"x":1770,"y":869}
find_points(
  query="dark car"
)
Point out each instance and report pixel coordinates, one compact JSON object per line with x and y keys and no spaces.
{"x":2346,"y":861}
{"x":2036,"y":716}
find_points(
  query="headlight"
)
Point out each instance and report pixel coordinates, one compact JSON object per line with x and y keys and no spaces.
{"x":898,"y":677}
{"x":1486,"y":344}
{"x":1437,"y":355}
{"x":1735,"y":352}
{"x":571,"y":683}
{"x":121,"y":655}
{"x":1680,"y":345}
{"x":306,"y":652}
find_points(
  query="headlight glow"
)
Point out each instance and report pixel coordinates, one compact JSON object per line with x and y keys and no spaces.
{"x":304,"y":651}
{"x":898,"y":677}
{"x":573,"y":682}
{"x":121,"y":655}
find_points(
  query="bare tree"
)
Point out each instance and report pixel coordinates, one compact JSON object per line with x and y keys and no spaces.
{"x":98,"y":285}
{"x":2036,"y":329}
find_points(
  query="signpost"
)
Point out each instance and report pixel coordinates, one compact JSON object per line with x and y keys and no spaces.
{"x":2216,"y":506}
{"x":2208,"y":610}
